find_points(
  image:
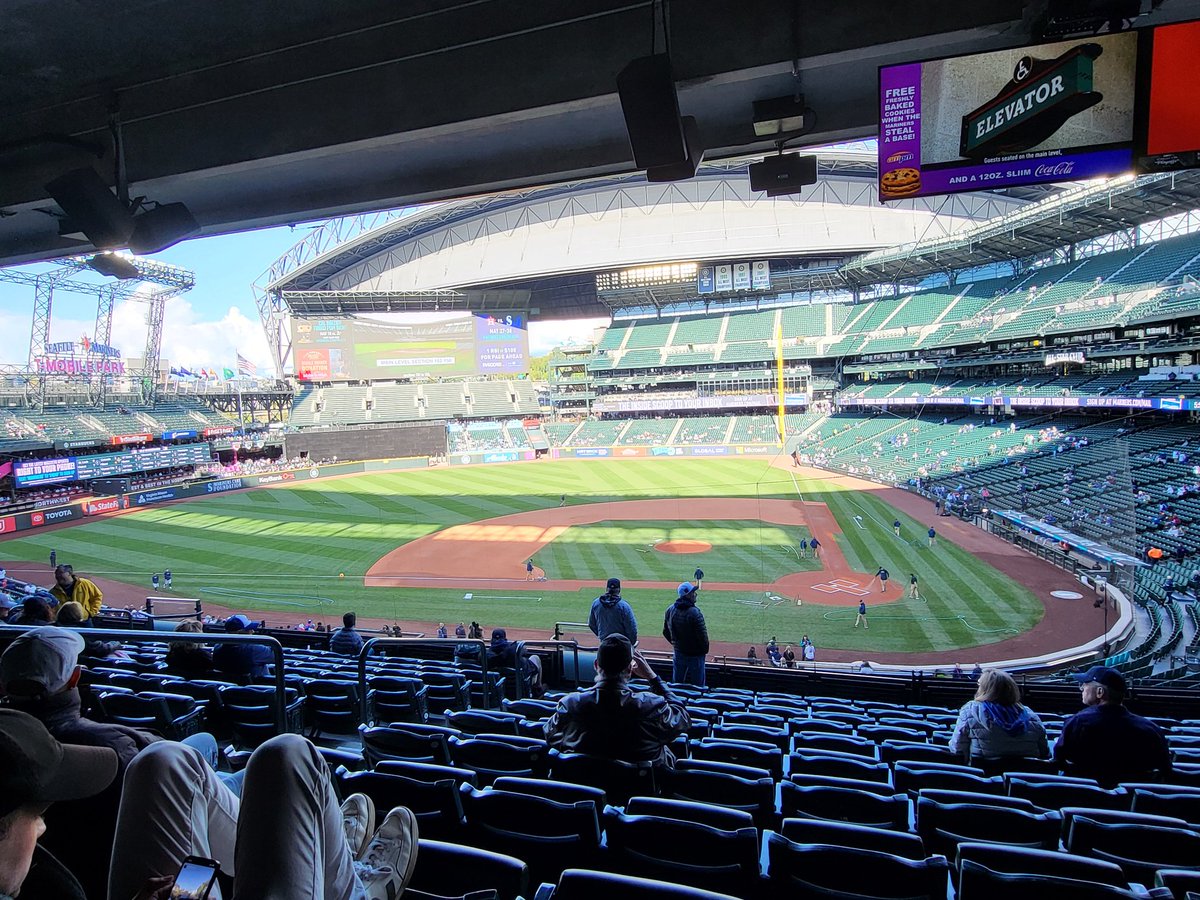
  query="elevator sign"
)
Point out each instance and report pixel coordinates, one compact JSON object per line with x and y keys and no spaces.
{"x":1038,"y":100}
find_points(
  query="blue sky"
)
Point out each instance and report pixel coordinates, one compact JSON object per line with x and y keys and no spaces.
{"x":208,"y":325}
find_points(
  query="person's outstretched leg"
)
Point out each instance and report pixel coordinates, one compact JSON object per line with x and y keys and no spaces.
{"x":172,"y":805}
{"x":290,"y":838}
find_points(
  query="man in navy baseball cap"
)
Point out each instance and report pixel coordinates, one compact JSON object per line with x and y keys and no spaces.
{"x":1106,"y":741}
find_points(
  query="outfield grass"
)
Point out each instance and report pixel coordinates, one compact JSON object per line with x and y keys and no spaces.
{"x":280,"y":551}
{"x":741,"y":551}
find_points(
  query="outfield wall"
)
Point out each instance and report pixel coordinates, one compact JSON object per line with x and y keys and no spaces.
{"x":387,"y":442}
{"x":134,"y":499}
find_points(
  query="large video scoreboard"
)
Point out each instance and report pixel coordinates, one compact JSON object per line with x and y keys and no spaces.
{"x":403,"y":346}
{"x":34,"y":472}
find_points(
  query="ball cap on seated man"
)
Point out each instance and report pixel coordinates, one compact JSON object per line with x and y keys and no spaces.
{"x":1102,"y":675}
{"x":615,"y":654}
{"x":41,"y":662}
{"x":240,"y":623}
{"x":36,"y":770}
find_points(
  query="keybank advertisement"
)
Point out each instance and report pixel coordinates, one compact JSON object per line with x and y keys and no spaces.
{"x":1053,"y":112}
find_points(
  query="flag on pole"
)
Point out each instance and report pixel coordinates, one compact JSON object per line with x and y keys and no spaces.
{"x":227,"y":373}
{"x":244,"y":366}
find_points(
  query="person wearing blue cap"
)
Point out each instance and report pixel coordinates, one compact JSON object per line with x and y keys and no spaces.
{"x":244,"y":662}
{"x":684,"y":628}
{"x":1106,"y":741}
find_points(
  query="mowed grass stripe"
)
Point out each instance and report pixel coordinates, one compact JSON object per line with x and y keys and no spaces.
{"x":302,"y":534}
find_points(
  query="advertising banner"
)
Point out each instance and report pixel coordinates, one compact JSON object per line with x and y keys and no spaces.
{"x":120,"y":439}
{"x":34,"y":472}
{"x":1029,"y":115}
{"x":96,"y":507}
{"x":179,"y":435}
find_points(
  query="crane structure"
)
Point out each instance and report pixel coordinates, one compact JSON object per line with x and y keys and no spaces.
{"x":170,"y":281}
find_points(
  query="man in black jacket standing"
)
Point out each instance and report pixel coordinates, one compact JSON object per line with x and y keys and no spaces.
{"x":684,"y":627}
{"x":613,"y":720}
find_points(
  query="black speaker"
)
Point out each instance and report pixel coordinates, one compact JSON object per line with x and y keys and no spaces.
{"x":785,"y":173}
{"x":651,"y":108}
{"x":159,"y":228}
{"x":687,"y":168}
{"x":92,"y":207}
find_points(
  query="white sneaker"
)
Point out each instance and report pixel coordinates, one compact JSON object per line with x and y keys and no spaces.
{"x":387,"y":865}
{"x":358,"y":822}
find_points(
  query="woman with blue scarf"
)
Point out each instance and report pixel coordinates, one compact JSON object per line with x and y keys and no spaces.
{"x":995,"y":726}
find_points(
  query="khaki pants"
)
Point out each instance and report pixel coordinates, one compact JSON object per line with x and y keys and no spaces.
{"x":283,"y":840}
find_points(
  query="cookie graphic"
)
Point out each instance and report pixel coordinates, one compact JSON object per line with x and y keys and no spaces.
{"x":900,"y":182}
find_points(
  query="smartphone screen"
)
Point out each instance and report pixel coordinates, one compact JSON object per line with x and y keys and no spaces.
{"x":194,"y":880}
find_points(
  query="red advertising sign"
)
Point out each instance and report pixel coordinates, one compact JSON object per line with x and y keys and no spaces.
{"x":37,"y":518}
{"x":131,"y":439}
{"x":218,"y":431}
{"x":8,"y":524}
{"x":95,"y":507}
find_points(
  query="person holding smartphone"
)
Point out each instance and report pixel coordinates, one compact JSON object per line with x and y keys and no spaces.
{"x":286,"y":837}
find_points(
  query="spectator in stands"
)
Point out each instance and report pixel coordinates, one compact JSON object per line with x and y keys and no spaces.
{"x":40,"y":673}
{"x":613,"y":720}
{"x":244,"y":662}
{"x":1106,"y":741}
{"x":189,"y":658}
{"x":68,"y":587}
{"x":72,"y":615}
{"x":612,"y":615}
{"x":789,"y":657}
{"x":346,"y":640}
{"x":752,"y":656}
{"x":685,"y":630}
{"x":773,"y":654}
{"x":296,"y":841}
{"x":995,"y":725}
{"x":441,"y":630}
{"x":33,"y":611}
{"x":502,"y":654}
{"x":464,"y":652}
{"x":35,"y":772}
{"x":809,"y":648}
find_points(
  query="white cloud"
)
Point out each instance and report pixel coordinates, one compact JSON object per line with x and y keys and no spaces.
{"x":188,"y":339}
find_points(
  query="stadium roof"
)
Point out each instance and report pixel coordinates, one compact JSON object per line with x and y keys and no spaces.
{"x":255,"y":117}
{"x":1072,"y":216}
{"x":543,"y":239}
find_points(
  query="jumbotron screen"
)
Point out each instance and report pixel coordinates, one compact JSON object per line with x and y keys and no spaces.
{"x":401,"y":346}
{"x":1030,"y":115}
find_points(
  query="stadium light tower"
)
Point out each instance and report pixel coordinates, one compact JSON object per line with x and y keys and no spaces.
{"x":173,"y":280}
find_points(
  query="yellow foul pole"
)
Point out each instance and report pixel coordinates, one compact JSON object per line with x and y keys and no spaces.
{"x":779,"y":379}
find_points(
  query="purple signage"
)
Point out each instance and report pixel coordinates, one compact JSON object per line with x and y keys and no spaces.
{"x":1028,"y":115}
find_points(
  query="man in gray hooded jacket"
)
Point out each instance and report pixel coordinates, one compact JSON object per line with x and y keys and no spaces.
{"x":612,"y":615}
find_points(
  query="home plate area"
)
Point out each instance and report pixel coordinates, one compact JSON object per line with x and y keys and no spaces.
{"x":841,"y":586}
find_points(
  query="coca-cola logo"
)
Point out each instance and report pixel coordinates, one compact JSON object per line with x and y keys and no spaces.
{"x":1054,"y":169}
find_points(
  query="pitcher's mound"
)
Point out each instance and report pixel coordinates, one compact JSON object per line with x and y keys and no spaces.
{"x":683,"y":546}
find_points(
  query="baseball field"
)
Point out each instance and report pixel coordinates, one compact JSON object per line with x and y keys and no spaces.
{"x":453,"y":545}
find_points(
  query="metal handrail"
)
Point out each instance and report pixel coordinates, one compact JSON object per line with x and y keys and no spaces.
{"x":558,"y":627}
{"x":401,"y":641}
{"x":158,"y":637}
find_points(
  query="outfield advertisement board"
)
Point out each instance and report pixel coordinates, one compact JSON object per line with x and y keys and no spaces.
{"x":697,"y":450}
{"x":1168,"y":404}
